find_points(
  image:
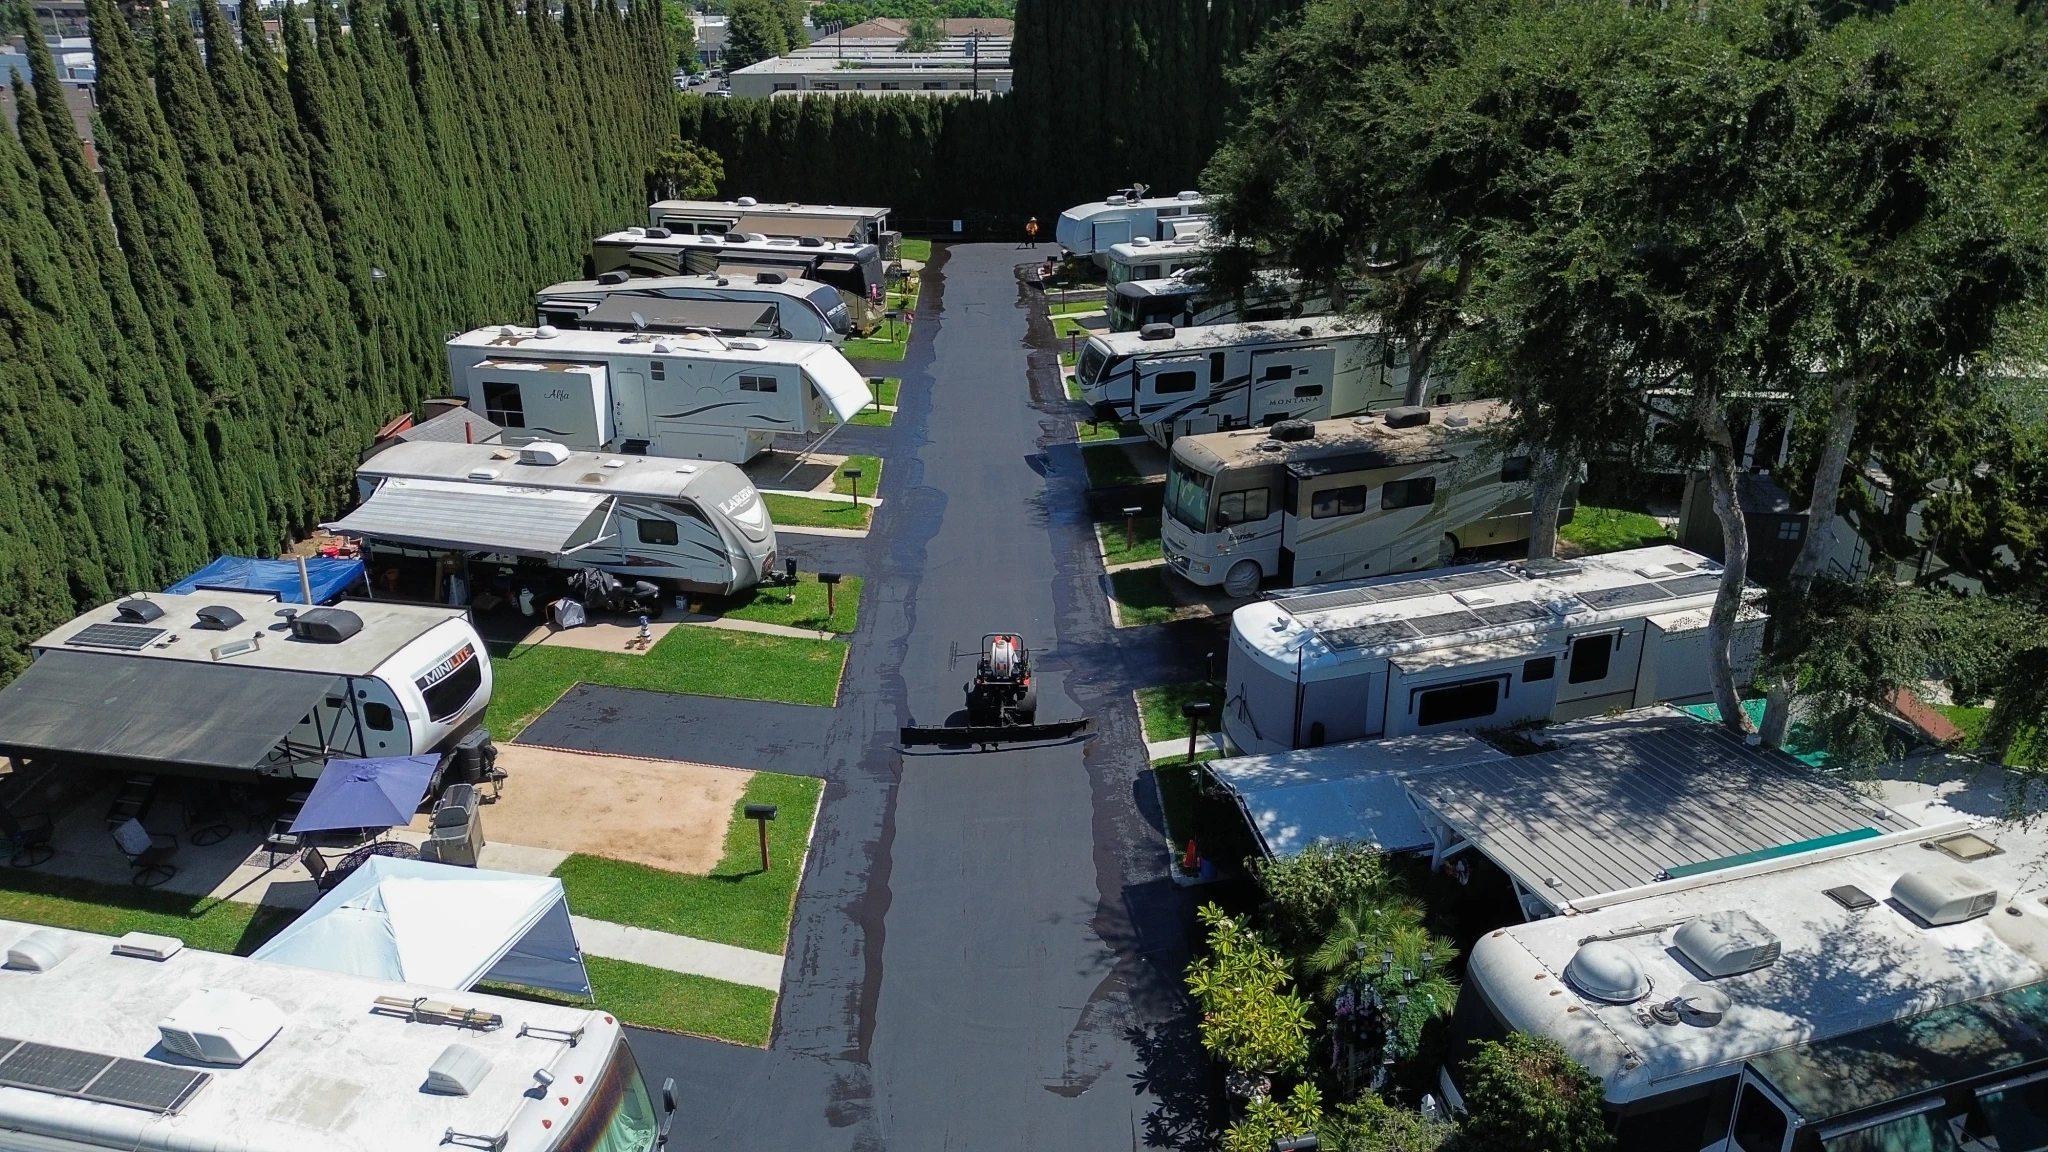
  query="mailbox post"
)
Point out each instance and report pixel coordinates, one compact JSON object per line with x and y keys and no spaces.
{"x":761,"y":814}
{"x":853,"y":474}
{"x":831,"y":582}
{"x":1130,"y":526}
{"x":1195,"y":710}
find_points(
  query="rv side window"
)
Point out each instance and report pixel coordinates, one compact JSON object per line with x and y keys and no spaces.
{"x":1215,"y":367}
{"x":446,"y":697}
{"x":1408,"y":493}
{"x":653,"y":531}
{"x":1759,"y":1126}
{"x":1514,"y":469}
{"x":502,"y":405}
{"x":377,"y":716}
{"x":757,"y":383}
{"x":1241,"y":507}
{"x":1304,"y":391}
{"x":1541,"y":668}
{"x":1168,"y":383}
{"x":1276,"y":372}
{"x":1468,"y":701}
{"x":1591,"y":656}
{"x":1337,"y":502}
{"x":1146,"y":272}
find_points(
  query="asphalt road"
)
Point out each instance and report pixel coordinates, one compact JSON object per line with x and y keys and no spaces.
{"x":987,"y":948}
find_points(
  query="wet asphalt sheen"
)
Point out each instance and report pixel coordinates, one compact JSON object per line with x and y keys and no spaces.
{"x":987,"y":949}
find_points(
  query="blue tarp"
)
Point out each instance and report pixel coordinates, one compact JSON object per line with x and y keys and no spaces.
{"x":381,"y":793}
{"x":330,"y":577}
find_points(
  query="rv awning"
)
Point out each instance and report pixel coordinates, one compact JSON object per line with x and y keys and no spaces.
{"x":466,"y":517}
{"x":1344,"y":792}
{"x":838,"y":266}
{"x":785,"y":224}
{"x":185,"y":713}
{"x":844,"y":388}
{"x":438,"y":925}
{"x":732,"y":316}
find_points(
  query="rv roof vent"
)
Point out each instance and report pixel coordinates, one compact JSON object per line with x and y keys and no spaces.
{"x":458,"y":1071}
{"x":658,"y":233}
{"x":220,"y":1026}
{"x":1156,"y":332}
{"x":746,"y":201}
{"x":1189,"y":194}
{"x":636,"y":231}
{"x":326,"y":625}
{"x":39,"y":951}
{"x":1290,"y":431}
{"x":217,"y":618}
{"x":1606,"y":971}
{"x":546,"y":332}
{"x":138,"y":611}
{"x":1726,"y":943}
{"x":145,"y":946}
{"x":483,"y":473}
{"x":543,"y":453}
{"x":1141,"y":241}
{"x":1115,"y":201}
{"x":615,"y":276}
{"x":661,"y":349}
{"x":746,"y":345}
{"x":1271,"y":446}
{"x":753,"y":237}
{"x":1944,"y":895}
{"x":1700,"y":1005}
{"x":591,"y":478}
{"x":1407,"y":416}
{"x":770,"y":278}
{"x":811,"y":241}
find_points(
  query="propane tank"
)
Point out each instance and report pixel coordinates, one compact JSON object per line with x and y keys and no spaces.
{"x":1002,"y":656}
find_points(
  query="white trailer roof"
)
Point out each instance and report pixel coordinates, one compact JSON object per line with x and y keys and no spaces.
{"x":1208,"y":337}
{"x":480,"y":517}
{"x":748,"y":206}
{"x":773,"y":247}
{"x":1190,"y":238}
{"x":387,"y":627}
{"x":789,"y":285}
{"x":1343,"y":792}
{"x":499,"y":466}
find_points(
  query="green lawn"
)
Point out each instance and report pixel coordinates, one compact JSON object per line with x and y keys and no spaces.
{"x":905,"y":302}
{"x":1109,"y":466}
{"x":2024,"y":750}
{"x":1215,"y":824}
{"x":885,"y":390}
{"x":1065,"y":328}
{"x":870,"y":475}
{"x":880,"y":346}
{"x":672,"y":1001}
{"x":1612,"y":529}
{"x":705,"y":661}
{"x":1088,"y":430}
{"x":737,"y":903}
{"x":1144,"y":540}
{"x":116,"y":909}
{"x":1142,"y":597}
{"x":918,"y":250}
{"x":1071,"y":307}
{"x":873,"y":418}
{"x":1072,"y":385}
{"x":1159,"y":707}
{"x":771,"y":605}
{"x":802,"y":511}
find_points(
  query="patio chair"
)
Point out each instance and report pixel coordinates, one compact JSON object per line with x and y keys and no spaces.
{"x":205,"y":809}
{"x":324,"y":876}
{"x":148,"y":853}
{"x":27,"y":841}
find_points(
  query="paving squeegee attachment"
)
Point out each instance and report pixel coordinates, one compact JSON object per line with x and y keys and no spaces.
{"x":1002,"y":701}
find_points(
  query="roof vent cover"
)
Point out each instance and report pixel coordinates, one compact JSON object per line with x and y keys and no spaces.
{"x":1289,"y":431}
{"x":1944,"y":895}
{"x":1156,"y":332}
{"x":138,"y":611}
{"x":543,"y":453}
{"x":458,"y":1071}
{"x":1407,"y":416}
{"x":39,"y":951}
{"x":1727,"y":943}
{"x":770,"y":278}
{"x":220,"y":1026}
{"x":217,"y":618}
{"x":1606,"y":971}
{"x":615,"y":276}
{"x":326,"y":625}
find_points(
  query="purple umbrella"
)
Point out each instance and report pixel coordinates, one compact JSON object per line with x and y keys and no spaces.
{"x":382,"y":793}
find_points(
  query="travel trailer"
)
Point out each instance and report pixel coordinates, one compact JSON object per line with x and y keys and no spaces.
{"x":685,"y":526}
{"x":638,"y":394}
{"x":1476,"y":646}
{"x":767,"y":305}
{"x":239,"y":685}
{"x":1185,"y":303}
{"x":1187,"y":381}
{"x":836,"y":222}
{"x":1340,"y":499}
{"x":1185,"y":247}
{"x":854,"y":269}
{"x":1090,"y":229}
{"x":143,"y":1043}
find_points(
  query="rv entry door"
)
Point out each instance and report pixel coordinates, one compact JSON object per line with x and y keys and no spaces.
{"x":1168,"y":387}
{"x":629,"y":407}
{"x":1291,"y":385}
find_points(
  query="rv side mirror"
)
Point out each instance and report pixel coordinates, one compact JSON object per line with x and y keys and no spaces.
{"x":668,"y":1111}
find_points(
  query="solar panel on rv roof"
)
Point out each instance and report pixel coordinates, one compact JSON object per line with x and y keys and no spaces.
{"x":1444,"y":623}
{"x":1690,"y":585}
{"x":126,"y":637}
{"x":1405,"y":590}
{"x":1466,"y":581}
{"x":51,"y":1068}
{"x":142,"y":1084}
{"x":1513,"y":612}
{"x":1369,"y":635}
{"x":1325,"y":601}
{"x":1624,"y":596}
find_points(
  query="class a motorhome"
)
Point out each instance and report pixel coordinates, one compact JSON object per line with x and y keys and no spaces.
{"x":1186,"y":246}
{"x":237,"y":685}
{"x":766,"y":305}
{"x":689,"y":526}
{"x":1479,"y":646}
{"x":1188,"y":381}
{"x":1306,"y":503}
{"x":684,"y":396}
{"x":141,"y":1043}
{"x":1092,"y":229}
{"x":837,"y":222}
{"x":854,"y":269}
{"x":1185,"y":302}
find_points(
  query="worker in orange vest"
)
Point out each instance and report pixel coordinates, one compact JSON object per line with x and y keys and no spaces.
{"x":1031,"y":232}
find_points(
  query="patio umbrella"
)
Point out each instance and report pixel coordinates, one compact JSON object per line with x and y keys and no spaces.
{"x":381,"y":793}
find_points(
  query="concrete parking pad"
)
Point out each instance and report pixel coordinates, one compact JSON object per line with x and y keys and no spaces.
{"x":756,"y":734}
{"x":602,"y":635}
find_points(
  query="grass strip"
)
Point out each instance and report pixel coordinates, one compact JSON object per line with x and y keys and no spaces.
{"x":1599,"y":529}
{"x":873,"y":418}
{"x":1067,"y":328}
{"x":879,"y":348}
{"x":1088,"y":430}
{"x":658,"y":998}
{"x":773,"y":605}
{"x":870,"y":475}
{"x":1142,"y":598}
{"x":1211,"y":821}
{"x":1073,"y":307}
{"x":116,"y":909}
{"x":1109,"y":466}
{"x":918,"y":250}
{"x":737,"y":903}
{"x":704,"y":661}
{"x":1072,"y":385}
{"x":804,"y":512}
{"x":1159,"y":707}
{"x":1144,"y":537}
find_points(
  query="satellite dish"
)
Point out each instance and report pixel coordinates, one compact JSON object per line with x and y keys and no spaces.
{"x":639,"y":322}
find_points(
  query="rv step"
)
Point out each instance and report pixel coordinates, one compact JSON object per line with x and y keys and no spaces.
{"x":133,"y":801}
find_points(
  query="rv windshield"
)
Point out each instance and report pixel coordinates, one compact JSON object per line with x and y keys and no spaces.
{"x":619,"y":1116}
{"x":1093,"y":361}
{"x":1187,"y":495}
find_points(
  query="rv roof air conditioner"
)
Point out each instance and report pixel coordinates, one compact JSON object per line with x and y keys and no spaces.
{"x":770,"y":278}
{"x":326,"y":625}
{"x":138,"y":611}
{"x":1190,"y":194}
{"x":1942,"y":895}
{"x":220,"y":1026}
{"x":1141,"y":241}
{"x":543,"y":453}
{"x":1407,"y":416}
{"x":746,"y":201}
{"x":658,"y":233}
{"x":1291,"y":431}
{"x":1609,"y":972}
{"x":1156,"y":332}
{"x":811,"y":241}
{"x":1726,"y":943}
{"x":217,"y":618}
{"x":615,"y":276}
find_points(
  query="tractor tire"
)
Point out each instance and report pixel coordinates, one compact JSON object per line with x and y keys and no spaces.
{"x":1243,"y":578}
{"x":1026,"y":710}
{"x":1446,"y":550}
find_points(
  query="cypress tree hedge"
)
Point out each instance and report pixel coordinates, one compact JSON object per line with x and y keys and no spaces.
{"x":197,"y":342}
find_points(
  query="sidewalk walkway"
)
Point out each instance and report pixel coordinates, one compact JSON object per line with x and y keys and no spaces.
{"x":756,"y":626}
{"x":1170,"y":749}
{"x":674,"y":953}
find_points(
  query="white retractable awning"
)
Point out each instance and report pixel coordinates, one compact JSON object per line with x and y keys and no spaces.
{"x":844,"y":388}
{"x":469,"y":517}
{"x":1344,"y":792}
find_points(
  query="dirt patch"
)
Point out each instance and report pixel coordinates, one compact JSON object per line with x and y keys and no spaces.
{"x":662,"y":813}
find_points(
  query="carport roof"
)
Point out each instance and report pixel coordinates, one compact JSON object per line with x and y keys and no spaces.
{"x":479,"y":517}
{"x":1343,"y":792}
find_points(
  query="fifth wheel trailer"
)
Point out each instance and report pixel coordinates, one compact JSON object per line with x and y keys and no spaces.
{"x":783,"y":307}
{"x":1476,"y":646}
{"x":1090,"y":229}
{"x":639,"y":394}
{"x":841,"y":222}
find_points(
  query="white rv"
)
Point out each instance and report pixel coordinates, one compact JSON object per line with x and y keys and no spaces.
{"x":1479,"y":646}
{"x":837,"y":222}
{"x":235,"y":685}
{"x":767,"y":305}
{"x":854,"y":269}
{"x":113,"y":1045}
{"x":685,"y":396}
{"x":1090,"y":229}
{"x":1185,"y":303}
{"x":688,"y":526}
{"x":1180,"y":382}
{"x":1340,"y":499}
{"x":1187,"y":244}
